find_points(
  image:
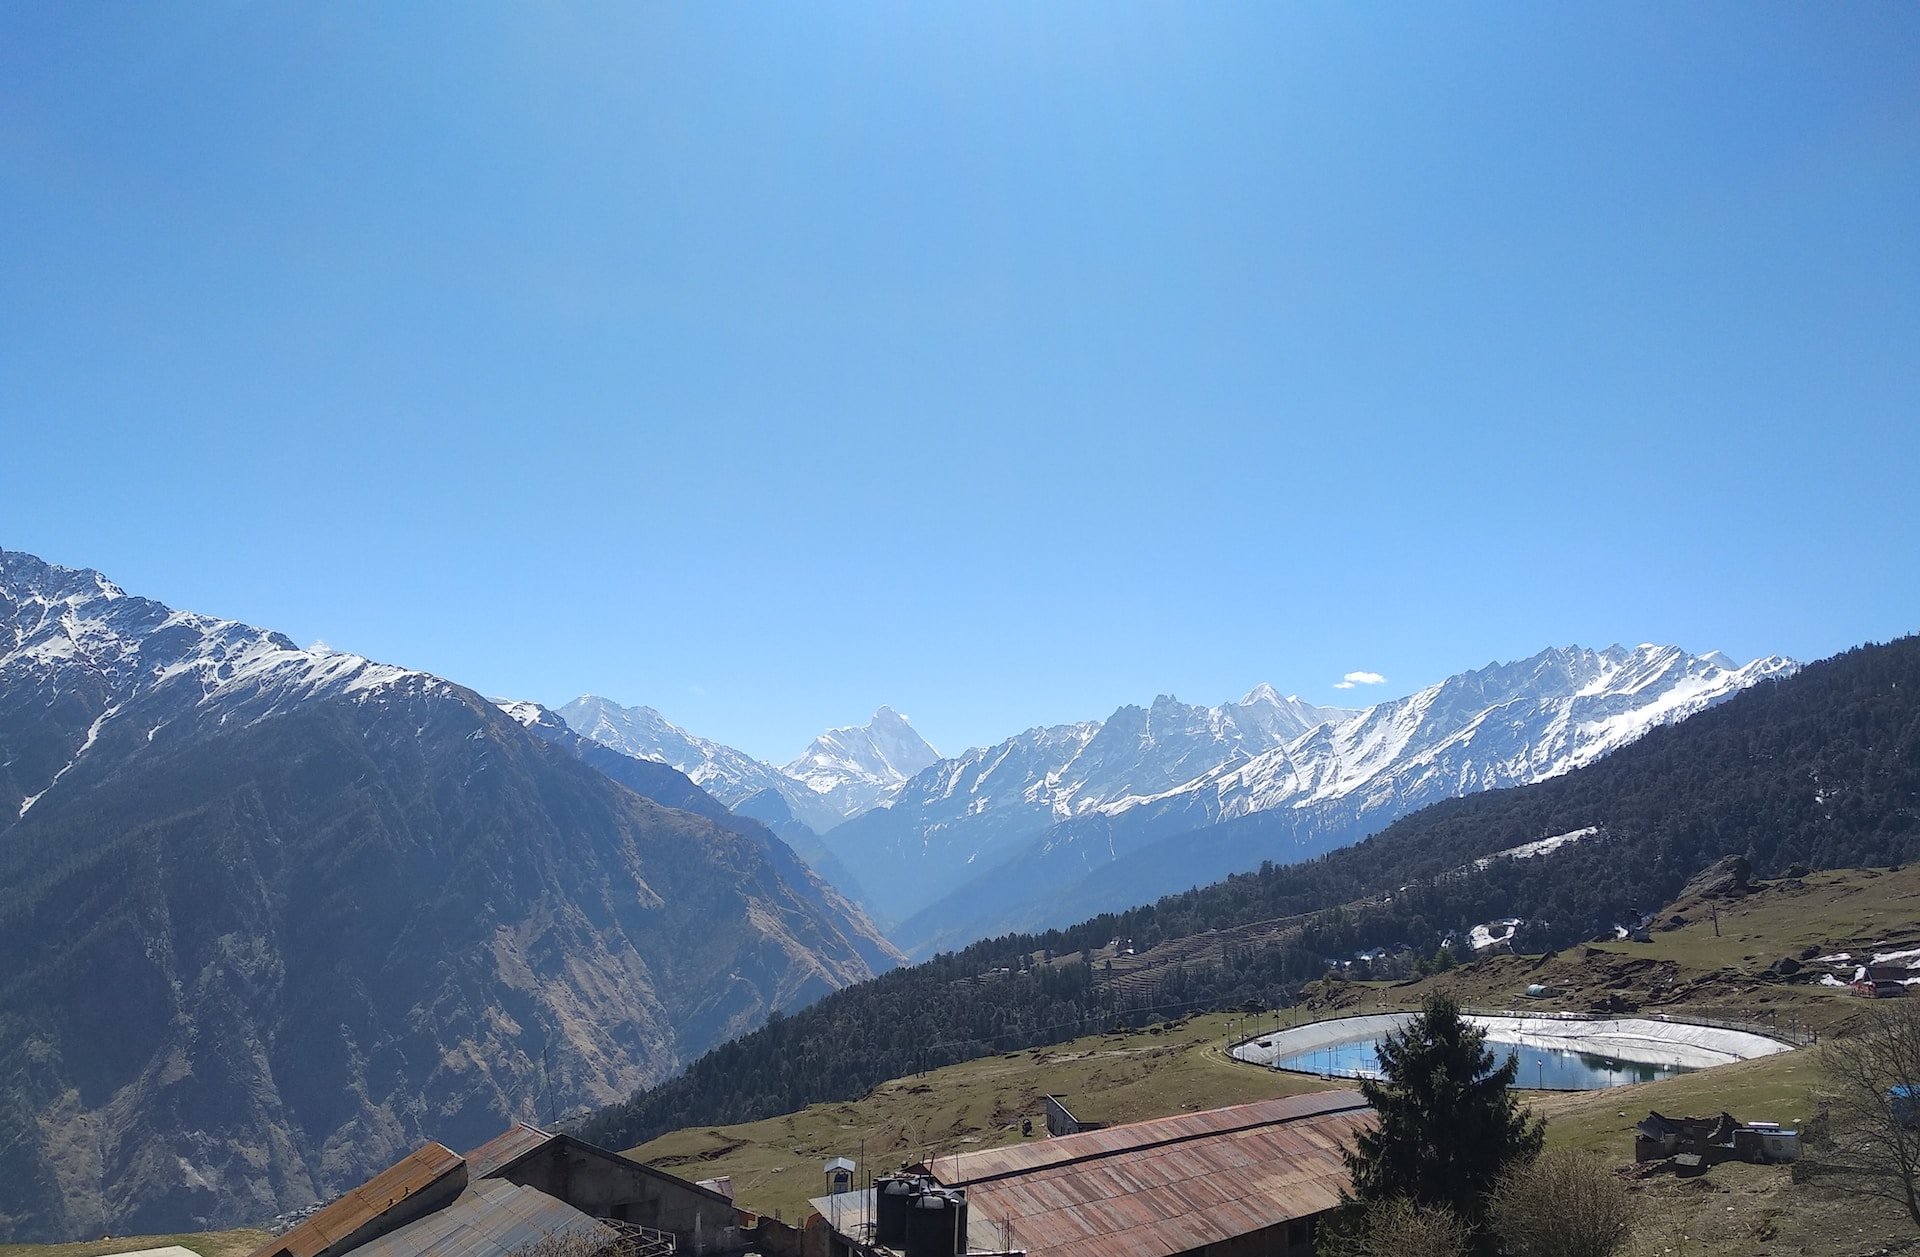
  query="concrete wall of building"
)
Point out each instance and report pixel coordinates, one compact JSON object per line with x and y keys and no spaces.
{"x":607,"y":1185}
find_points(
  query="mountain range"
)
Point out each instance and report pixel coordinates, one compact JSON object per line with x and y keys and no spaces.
{"x":1059,"y":824}
{"x":272,"y":916}
{"x":1062,"y":821}
{"x":841,"y":774}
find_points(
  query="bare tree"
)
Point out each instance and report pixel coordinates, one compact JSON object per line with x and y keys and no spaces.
{"x":1563,"y":1203}
{"x":1870,"y":1135}
{"x":1397,"y":1228}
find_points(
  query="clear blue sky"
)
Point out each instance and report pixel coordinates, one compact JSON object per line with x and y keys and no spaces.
{"x":1003,"y":363}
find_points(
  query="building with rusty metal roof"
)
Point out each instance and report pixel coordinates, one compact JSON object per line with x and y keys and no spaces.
{"x":1251,"y":1180}
{"x":518,"y":1189}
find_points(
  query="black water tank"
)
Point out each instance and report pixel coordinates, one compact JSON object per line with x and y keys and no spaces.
{"x":934,"y":1224}
{"x":894,"y":1196}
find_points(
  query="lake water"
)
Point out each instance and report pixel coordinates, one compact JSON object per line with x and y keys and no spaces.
{"x":1550,"y":1069}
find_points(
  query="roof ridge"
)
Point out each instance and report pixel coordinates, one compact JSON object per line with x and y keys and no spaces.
{"x":1306,"y":1105}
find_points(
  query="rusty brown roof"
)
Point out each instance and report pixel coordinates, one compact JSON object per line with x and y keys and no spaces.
{"x":1164,"y":1186}
{"x":504,"y":1149}
{"x":492,"y":1218}
{"x":414,"y":1173}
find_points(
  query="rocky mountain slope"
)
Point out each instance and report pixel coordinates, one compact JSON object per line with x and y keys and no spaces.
{"x":273,"y":916}
{"x":1062,"y":822}
{"x":764,"y":815}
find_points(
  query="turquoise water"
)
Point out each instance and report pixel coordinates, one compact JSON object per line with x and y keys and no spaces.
{"x":1550,"y":1069}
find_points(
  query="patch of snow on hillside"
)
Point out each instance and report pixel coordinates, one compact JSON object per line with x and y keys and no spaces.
{"x":1541,"y":846}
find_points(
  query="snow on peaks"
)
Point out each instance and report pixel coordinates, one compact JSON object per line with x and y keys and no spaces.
{"x":117,"y":658}
{"x":858,"y":766}
{"x":66,"y":620}
{"x":525,"y":713}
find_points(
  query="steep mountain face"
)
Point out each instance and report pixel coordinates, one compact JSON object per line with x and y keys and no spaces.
{"x":843,"y":773}
{"x":855,"y":768}
{"x":272,"y":917}
{"x":763,"y":817}
{"x":771,"y":810}
{"x":1345,"y":775}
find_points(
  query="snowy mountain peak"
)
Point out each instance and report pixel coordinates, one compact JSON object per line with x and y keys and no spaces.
{"x":530,"y":715}
{"x":57,"y":621}
{"x":1261,"y":693}
{"x":72,"y":635}
{"x":858,"y":766}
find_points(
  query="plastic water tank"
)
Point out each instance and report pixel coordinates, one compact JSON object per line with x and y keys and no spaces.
{"x":894,"y":1197}
{"x":936,"y":1224}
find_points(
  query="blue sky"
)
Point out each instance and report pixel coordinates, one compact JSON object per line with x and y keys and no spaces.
{"x":1002,"y":363}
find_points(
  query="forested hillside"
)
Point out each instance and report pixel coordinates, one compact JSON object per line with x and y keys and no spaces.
{"x":1821,"y":769}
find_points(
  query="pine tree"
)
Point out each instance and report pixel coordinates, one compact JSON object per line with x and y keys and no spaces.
{"x":1449,"y":1122}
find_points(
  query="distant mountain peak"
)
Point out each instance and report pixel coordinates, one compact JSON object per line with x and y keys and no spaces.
{"x":858,"y":766}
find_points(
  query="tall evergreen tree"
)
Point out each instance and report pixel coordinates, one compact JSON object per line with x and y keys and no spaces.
{"x":1449,"y":1121}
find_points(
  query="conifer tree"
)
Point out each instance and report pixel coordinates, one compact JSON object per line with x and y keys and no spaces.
{"x":1449,"y":1122}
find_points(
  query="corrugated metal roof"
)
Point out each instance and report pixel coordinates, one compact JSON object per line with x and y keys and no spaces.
{"x":971,"y":1167}
{"x":503,"y":1150}
{"x":1164,"y":1186}
{"x":490,"y":1219}
{"x":416,"y":1172}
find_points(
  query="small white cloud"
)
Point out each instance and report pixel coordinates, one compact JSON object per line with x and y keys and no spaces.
{"x":1343,"y":685}
{"x":1359,"y":678}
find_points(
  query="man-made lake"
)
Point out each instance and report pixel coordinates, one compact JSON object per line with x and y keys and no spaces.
{"x":1549,"y":1069}
{"x":1556,"y":1053}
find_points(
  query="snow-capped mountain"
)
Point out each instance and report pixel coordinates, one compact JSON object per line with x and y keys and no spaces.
{"x":856,"y":767}
{"x":965,"y":814}
{"x":843,"y":773}
{"x":271,"y":917}
{"x":727,"y":774}
{"x":1027,"y":823}
{"x":79,"y":657}
{"x":1502,"y":725}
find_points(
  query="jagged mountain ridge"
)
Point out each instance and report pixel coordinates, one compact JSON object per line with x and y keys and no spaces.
{"x":273,"y":917}
{"x":1043,"y":826}
{"x":842,"y":773}
{"x":727,"y":774}
{"x":967,"y":813}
